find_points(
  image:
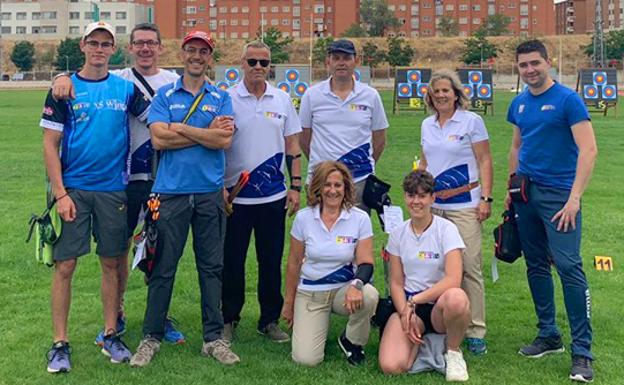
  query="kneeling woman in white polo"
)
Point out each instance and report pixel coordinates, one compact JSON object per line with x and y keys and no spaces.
{"x":425,"y":277}
{"x":329,"y":267}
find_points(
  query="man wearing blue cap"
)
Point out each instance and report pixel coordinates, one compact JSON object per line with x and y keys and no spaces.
{"x":343,"y":119}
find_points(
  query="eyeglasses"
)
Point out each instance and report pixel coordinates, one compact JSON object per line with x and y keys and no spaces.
{"x":96,"y":44}
{"x":192,"y":51}
{"x":263,"y":62}
{"x":149,"y":43}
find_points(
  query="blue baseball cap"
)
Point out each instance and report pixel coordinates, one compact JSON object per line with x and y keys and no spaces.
{"x":341,"y":45}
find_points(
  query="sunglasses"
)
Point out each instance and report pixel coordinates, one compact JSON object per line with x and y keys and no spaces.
{"x":263,"y":62}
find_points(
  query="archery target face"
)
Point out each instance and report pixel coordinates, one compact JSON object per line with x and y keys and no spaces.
{"x":301,"y":88}
{"x":608,"y":92}
{"x":284,"y":86}
{"x":590,"y":92}
{"x":223,"y":85}
{"x":475,"y":77}
{"x":422,"y":89}
{"x":484,"y":91}
{"x":404,"y":90}
{"x":600,"y":78}
{"x":468,"y":90}
{"x":232,"y":75}
{"x":414,"y":76}
{"x":292,"y":75}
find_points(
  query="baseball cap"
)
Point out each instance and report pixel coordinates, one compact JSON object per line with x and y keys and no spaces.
{"x":199,"y":35}
{"x":341,"y":45}
{"x":99,"y":25}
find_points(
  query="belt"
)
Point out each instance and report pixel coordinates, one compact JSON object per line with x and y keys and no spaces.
{"x":449,"y":193}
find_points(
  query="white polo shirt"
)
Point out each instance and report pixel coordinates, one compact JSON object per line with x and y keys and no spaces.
{"x":258,"y":144}
{"x":140,"y":141}
{"x":342,"y":130}
{"x":424,"y":257}
{"x":450,"y":158}
{"x":329,"y":261}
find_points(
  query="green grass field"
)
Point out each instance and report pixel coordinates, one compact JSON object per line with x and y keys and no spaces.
{"x":25,"y":327}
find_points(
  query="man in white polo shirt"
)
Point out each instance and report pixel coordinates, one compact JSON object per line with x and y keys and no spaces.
{"x":343,"y":119}
{"x":266,"y":138}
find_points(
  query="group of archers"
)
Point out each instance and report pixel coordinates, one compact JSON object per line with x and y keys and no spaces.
{"x":101,"y":127}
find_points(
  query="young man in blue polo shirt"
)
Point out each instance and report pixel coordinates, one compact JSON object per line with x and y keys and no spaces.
{"x":343,"y":119}
{"x":554,"y":148}
{"x":189,"y":184}
{"x":86,"y":143}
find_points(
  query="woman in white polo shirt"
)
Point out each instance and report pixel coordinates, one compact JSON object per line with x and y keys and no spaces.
{"x":329,"y":266}
{"x":425,"y":275}
{"x":456,"y":150}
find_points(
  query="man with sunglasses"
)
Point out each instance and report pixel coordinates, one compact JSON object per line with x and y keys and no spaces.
{"x":191,"y":124}
{"x":266,"y":139}
{"x":145,"y":48}
{"x":88,"y":180}
{"x":343,"y":119}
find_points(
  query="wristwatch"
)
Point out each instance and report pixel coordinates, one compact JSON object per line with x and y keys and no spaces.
{"x":357,"y":283}
{"x":487,"y":199}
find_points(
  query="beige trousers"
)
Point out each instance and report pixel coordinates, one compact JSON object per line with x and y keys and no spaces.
{"x":469,"y":228}
{"x":311,"y":321}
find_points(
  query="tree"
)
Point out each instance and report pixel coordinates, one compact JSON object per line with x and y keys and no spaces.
{"x":277,"y":42}
{"x":400,"y":52}
{"x":372,"y":56}
{"x":447,"y":26}
{"x":23,"y":55}
{"x":354,"y":30}
{"x":68,"y":55}
{"x":613,"y":45}
{"x":377,"y":17}
{"x":44,"y":59}
{"x":496,"y":25}
{"x":319,"y":51}
{"x":119,"y":57}
{"x":477,"y":49}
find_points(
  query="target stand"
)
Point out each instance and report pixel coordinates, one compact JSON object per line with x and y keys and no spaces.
{"x":478,"y":87}
{"x":410,"y":88}
{"x":228,"y":76}
{"x":598,"y":89}
{"x":294,"y":80}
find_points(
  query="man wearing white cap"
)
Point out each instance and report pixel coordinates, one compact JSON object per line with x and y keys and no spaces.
{"x":191,"y":124}
{"x":88,"y":181}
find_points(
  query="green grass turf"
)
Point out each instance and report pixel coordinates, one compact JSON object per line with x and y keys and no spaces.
{"x":25,"y":327}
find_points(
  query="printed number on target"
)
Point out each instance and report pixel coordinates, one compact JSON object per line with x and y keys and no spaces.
{"x":603,"y":263}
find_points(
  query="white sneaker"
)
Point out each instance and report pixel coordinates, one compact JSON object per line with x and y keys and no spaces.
{"x":455,"y":366}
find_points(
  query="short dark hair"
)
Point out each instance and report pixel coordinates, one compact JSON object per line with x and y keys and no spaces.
{"x":419,"y":181}
{"x":145,"y":27}
{"x":532,"y":46}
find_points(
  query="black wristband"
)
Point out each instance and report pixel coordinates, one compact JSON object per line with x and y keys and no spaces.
{"x":295,"y":188}
{"x":487,"y":199}
{"x":364,"y":272}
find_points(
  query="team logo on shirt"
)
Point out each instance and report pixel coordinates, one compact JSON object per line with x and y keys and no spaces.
{"x":273,"y":115}
{"x":177,"y":106}
{"x":48,"y":111}
{"x":357,"y":107}
{"x":521,"y":108}
{"x":424,"y":255}
{"x":82,"y":118}
{"x":80,"y":106}
{"x":208,"y":107}
{"x":345,"y":240}
{"x":548,"y":107}
{"x":456,"y":138}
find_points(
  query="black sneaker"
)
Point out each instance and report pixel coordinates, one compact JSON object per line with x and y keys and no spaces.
{"x":542,"y":346}
{"x":581,"y":369}
{"x":354,"y":353}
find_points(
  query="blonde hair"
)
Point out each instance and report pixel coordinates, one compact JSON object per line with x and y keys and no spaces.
{"x":321,"y":173}
{"x":462,"y":101}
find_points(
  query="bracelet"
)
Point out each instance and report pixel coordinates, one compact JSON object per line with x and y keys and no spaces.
{"x":61,"y":197}
{"x":487,"y":199}
{"x":295,"y":188}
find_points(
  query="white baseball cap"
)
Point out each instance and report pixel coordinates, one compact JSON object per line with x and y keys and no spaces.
{"x":99,"y":25}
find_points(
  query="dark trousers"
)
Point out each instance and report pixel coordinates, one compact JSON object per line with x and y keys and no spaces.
{"x":541,"y":244}
{"x":205,"y":214}
{"x":267,"y":222}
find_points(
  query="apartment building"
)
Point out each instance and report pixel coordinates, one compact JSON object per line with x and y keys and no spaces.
{"x":57,"y":19}
{"x":577,"y":16}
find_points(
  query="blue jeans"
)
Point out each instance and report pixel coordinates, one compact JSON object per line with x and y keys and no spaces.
{"x":543,"y":244}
